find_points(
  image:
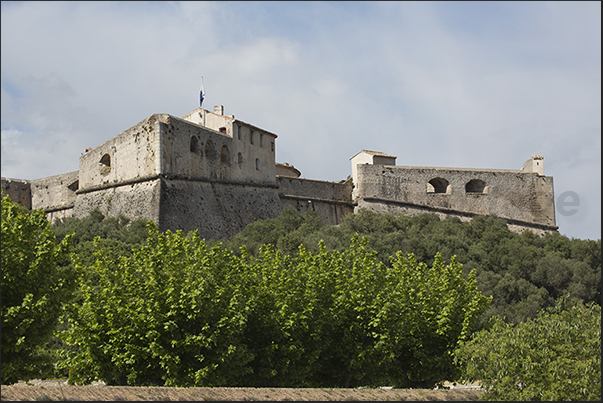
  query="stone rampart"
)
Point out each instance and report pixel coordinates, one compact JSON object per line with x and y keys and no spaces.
{"x":55,"y":194}
{"x":217,"y":209}
{"x":384,"y":206}
{"x":330,"y":200}
{"x":340,"y":191}
{"x":512,"y":194}
{"x":131,"y":154}
{"x":18,"y":190}
{"x":134,"y":199}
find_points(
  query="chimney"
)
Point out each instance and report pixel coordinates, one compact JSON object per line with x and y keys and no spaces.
{"x":219,"y":109}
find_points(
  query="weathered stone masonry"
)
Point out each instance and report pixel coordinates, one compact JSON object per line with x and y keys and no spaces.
{"x":214,"y":173}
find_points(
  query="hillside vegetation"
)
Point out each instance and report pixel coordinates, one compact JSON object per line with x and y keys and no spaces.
{"x":523,"y":273}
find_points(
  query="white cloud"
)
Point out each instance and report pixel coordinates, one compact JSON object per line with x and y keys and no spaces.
{"x":435,"y":83}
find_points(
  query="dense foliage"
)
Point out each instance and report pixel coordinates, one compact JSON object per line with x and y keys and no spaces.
{"x":180,"y":312}
{"x":556,"y":356}
{"x":119,"y":235}
{"x":36,"y":280}
{"x":290,"y":301}
{"x":523,"y":273}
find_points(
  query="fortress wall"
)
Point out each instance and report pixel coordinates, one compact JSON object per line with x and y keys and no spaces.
{"x":54,"y":215}
{"x":131,"y":154}
{"x":54,"y":192}
{"x":330,"y":200}
{"x":402,"y":208}
{"x":330,"y":212}
{"x":19,"y":191}
{"x":216,"y":209}
{"x":395,"y":208}
{"x":198,"y":152}
{"x":544,"y":197}
{"x":512,"y":194}
{"x":133,"y":200}
{"x":314,"y":188}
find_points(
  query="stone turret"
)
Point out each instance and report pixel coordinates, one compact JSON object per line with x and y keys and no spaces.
{"x":534,"y":164}
{"x":368,"y":157}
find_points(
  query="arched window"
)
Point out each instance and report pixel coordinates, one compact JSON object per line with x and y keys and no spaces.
{"x":74,"y":186}
{"x":476,"y":186}
{"x":257,"y":164}
{"x":239,"y":158}
{"x":225,"y":155}
{"x":437,"y":185}
{"x":195,"y":145}
{"x":105,"y":164}
{"x":210,"y":150}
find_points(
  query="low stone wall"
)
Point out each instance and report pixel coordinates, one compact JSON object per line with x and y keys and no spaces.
{"x":331,"y":212}
{"x":19,"y":191}
{"x":341,"y":191}
{"x":55,"y":193}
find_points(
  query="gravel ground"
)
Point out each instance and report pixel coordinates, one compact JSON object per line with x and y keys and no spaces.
{"x":59,"y":390}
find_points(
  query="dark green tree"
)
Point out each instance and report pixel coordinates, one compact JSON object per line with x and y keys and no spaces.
{"x":37,"y":279}
{"x":119,"y":235}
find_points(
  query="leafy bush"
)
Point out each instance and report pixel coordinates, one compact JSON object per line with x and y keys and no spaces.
{"x":37,"y":279}
{"x":178,"y":312}
{"x":556,"y":356}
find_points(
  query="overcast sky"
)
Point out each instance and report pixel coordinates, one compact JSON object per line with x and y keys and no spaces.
{"x":449,"y":84}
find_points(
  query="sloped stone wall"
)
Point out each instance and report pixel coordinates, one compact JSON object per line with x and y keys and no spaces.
{"x":133,"y":200}
{"x":216,"y":209}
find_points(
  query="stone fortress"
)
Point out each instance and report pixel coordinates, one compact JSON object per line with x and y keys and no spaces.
{"x":213,"y":173}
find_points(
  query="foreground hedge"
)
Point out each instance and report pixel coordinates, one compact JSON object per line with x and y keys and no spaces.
{"x":178,"y":312}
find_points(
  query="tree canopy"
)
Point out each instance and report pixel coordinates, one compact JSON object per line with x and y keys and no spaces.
{"x":178,"y":312}
{"x":37,"y":279}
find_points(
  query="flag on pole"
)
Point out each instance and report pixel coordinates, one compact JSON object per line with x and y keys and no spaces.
{"x":201,"y":93}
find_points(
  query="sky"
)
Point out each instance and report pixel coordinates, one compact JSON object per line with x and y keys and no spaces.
{"x":444,"y":84}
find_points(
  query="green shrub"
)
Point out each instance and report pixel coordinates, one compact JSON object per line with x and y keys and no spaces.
{"x":556,"y":356}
